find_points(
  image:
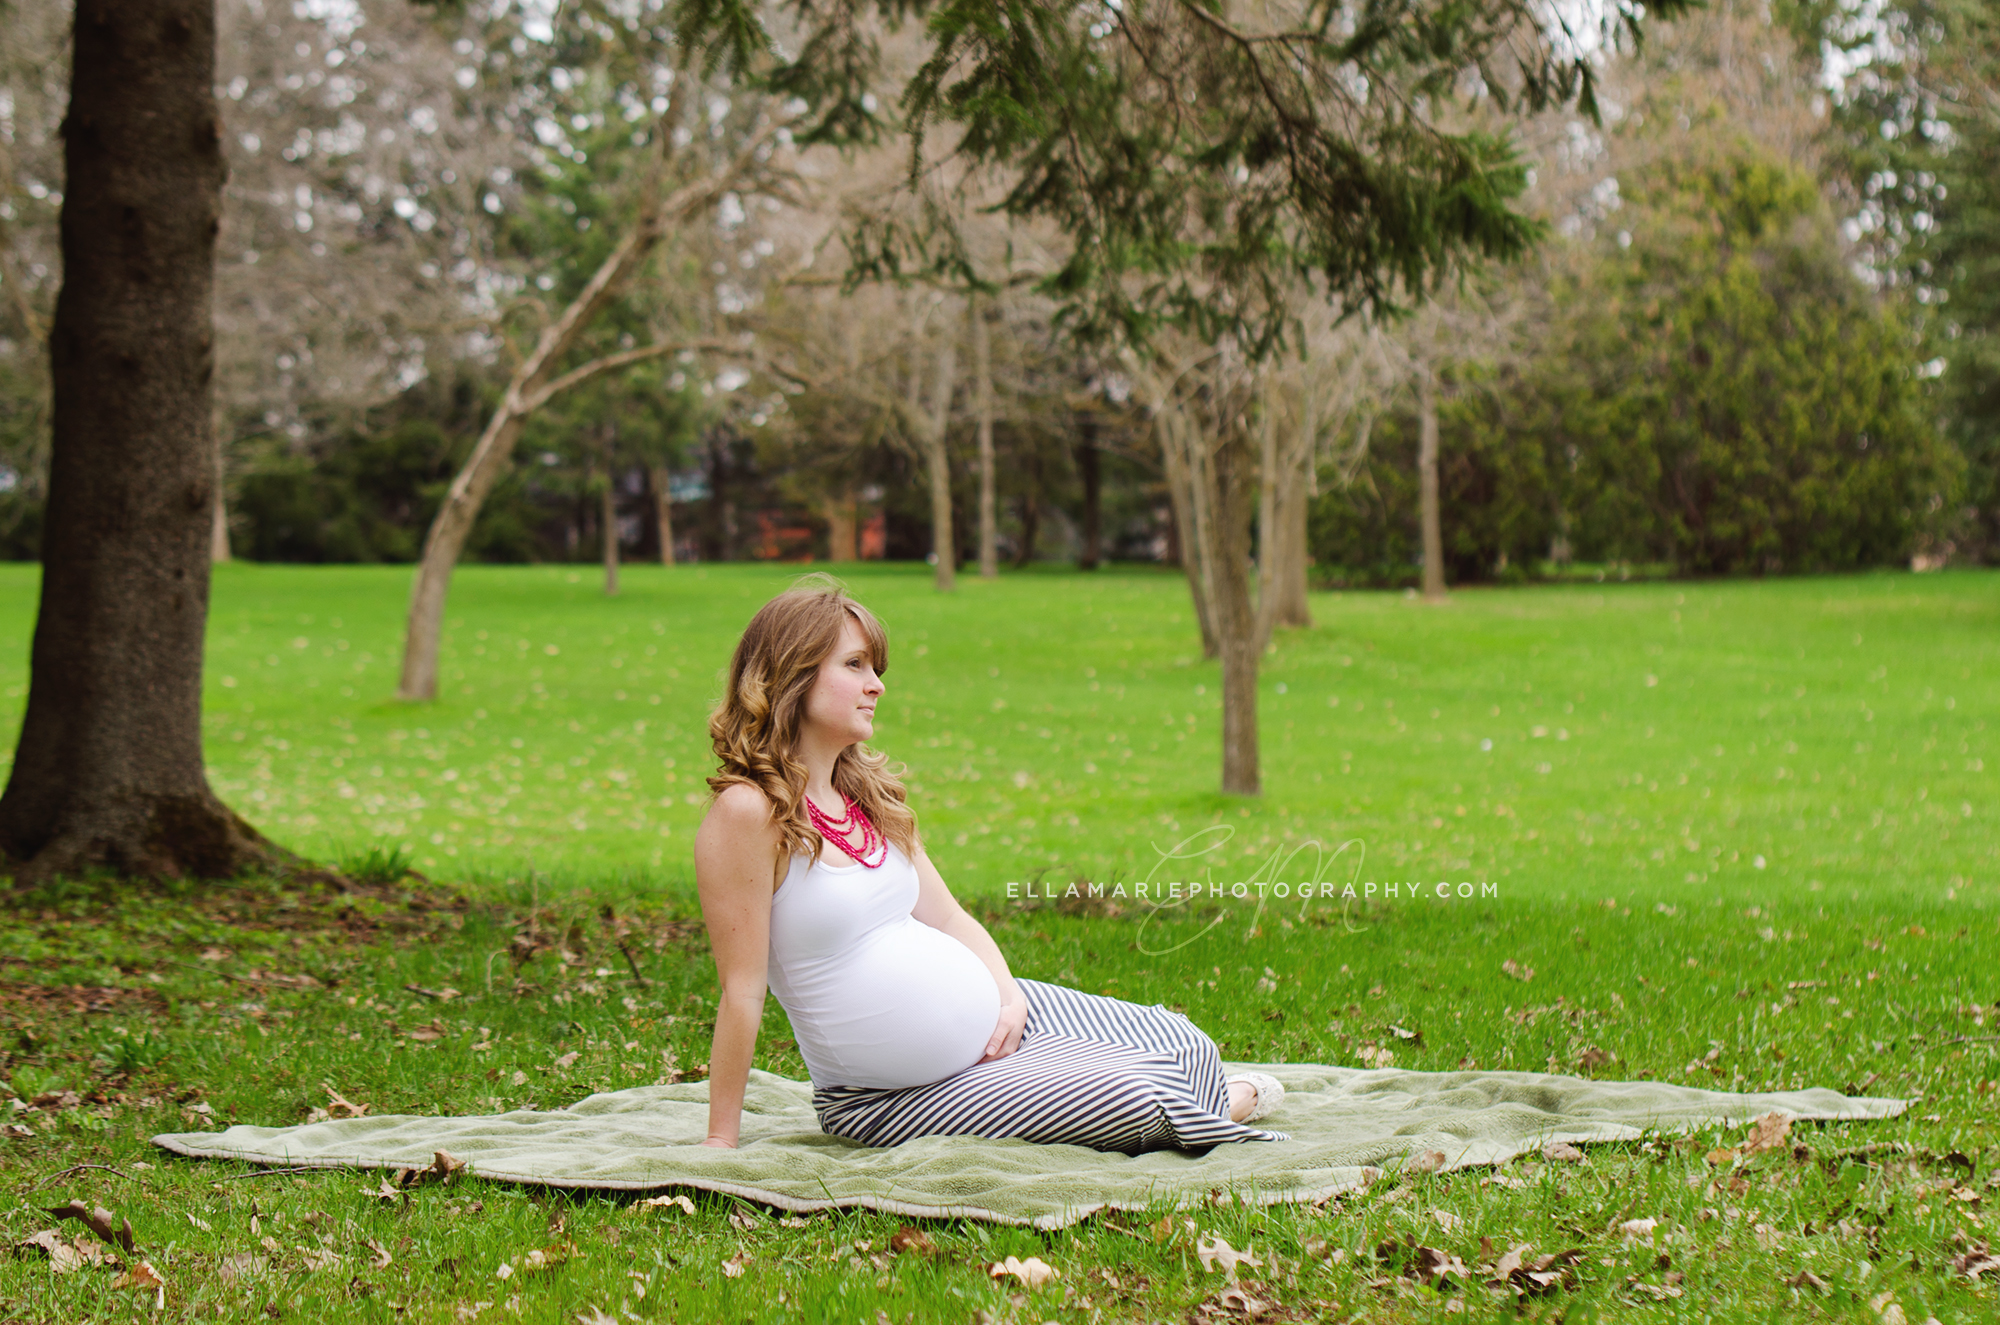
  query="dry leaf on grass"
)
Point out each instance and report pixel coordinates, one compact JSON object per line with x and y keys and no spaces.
{"x":1975,"y":1262}
{"x":657,"y":1202}
{"x":430,"y":1034}
{"x":64,"y":1255}
{"x":548,"y":1258}
{"x":743,"y":1219}
{"x":1426,"y":1265}
{"x":98,"y":1220}
{"x":239,"y":1264}
{"x":1213,"y":1251}
{"x":1542,"y":1275}
{"x":142,"y":1278}
{"x":1033,"y":1272}
{"x":733,"y":1267}
{"x":1426,"y":1161}
{"x":1769,"y":1133}
{"x":593,"y":1316}
{"x":1633,"y":1229}
{"x":1562,"y":1152}
{"x":319,"y":1258}
{"x":1518,"y":971}
{"x":1807,"y":1279}
{"x":912,"y":1241}
{"x":385,"y":1191}
{"x":567,"y":1061}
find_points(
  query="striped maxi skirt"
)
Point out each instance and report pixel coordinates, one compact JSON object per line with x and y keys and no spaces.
{"x":1090,"y":1071}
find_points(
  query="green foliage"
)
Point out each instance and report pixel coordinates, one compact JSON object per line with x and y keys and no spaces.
{"x":1717,"y":391}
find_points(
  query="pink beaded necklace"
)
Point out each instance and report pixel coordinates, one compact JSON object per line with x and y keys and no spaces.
{"x":836,"y":831}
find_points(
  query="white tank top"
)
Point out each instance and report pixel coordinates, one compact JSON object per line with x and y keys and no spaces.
{"x":876,"y":997}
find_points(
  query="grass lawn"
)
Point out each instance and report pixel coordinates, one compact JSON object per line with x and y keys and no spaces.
{"x":1740,"y":834}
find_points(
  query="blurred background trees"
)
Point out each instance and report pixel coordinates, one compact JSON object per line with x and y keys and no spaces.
{"x":1759,"y":337}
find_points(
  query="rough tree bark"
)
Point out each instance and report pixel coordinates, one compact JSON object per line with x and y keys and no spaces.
{"x":663,"y":511}
{"x":533,"y":384}
{"x":108,"y":771}
{"x":1427,"y":484}
{"x":982,"y":367}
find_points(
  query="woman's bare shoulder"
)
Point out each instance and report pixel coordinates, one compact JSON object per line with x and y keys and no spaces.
{"x":740,"y":807}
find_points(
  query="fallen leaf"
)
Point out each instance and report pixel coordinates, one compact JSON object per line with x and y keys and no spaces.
{"x":98,"y":1220}
{"x":444,"y":1164}
{"x":430,"y":1034}
{"x":1594,"y":1058}
{"x":733,"y":1267}
{"x":547,"y":1258}
{"x":593,"y":1316}
{"x":215,"y":954}
{"x":743,"y":1219}
{"x":1721,"y":1155}
{"x":384,"y":1191}
{"x":382,"y":1259}
{"x":656,"y":1202}
{"x":1975,"y":1262}
{"x":1447,"y":1221}
{"x":1213,"y":1251}
{"x":1768,"y":1133}
{"x":19,"y":1131}
{"x":338,"y":1106}
{"x":469,"y":1310}
{"x":909,"y":1240}
{"x":1428,"y":1161}
{"x":1658,"y":1292}
{"x":63,"y":1255}
{"x":1562,"y":1152}
{"x":568,"y":1060}
{"x":240,"y":1264}
{"x":1638,"y":1228}
{"x":142,"y":1277}
{"x":1806,"y":1279}
{"x":1033,"y":1272}
{"x":1510,"y":1261}
{"x":319,"y":1258}
{"x":1518,"y":971}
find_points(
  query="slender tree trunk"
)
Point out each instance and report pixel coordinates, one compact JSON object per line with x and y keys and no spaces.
{"x":1181,"y":457}
{"x":1294,"y":498}
{"x":1031,"y":519}
{"x":1233,"y":484}
{"x":218,"y":525}
{"x":1090,"y":469}
{"x":108,"y":770}
{"x":938,"y":460}
{"x":663,"y":511}
{"x":841,"y":518}
{"x":609,"y":519}
{"x":1427,"y":485}
{"x":982,"y":360}
{"x":526,"y":392}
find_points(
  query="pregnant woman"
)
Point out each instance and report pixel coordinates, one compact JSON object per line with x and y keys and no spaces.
{"x":815,"y":885}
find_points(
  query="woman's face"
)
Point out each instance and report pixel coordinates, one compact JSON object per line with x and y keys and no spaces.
{"x":841,"y":705}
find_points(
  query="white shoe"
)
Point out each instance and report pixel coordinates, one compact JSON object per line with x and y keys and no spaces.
{"x":1270,"y":1094}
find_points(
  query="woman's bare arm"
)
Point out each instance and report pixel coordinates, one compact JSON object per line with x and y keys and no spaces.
{"x":937,"y":908}
{"x":734,"y":851}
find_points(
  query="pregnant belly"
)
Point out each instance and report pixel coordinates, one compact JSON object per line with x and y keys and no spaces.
{"x":921,"y":1007}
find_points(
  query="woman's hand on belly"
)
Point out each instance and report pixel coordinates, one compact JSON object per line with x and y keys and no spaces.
{"x":1007,"y":1032}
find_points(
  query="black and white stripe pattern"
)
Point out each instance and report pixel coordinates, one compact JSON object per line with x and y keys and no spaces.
{"x":1091,"y":1071}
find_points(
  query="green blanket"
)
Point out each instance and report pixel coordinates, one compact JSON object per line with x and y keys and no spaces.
{"x":1345,"y":1126}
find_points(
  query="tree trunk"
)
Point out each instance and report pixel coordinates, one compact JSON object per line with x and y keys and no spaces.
{"x":218,"y":528}
{"x":1181,"y":455}
{"x":1427,"y":485}
{"x":108,"y":771}
{"x":1090,"y":469}
{"x":841,"y":520}
{"x":610,"y":517}
{"x":1233,"y":478}
{"x":982,"y":359}
{"x":938,"y":460}
{"x":530,"y":387}
{"x":1031,"y":523}
{"x":663,"y":511}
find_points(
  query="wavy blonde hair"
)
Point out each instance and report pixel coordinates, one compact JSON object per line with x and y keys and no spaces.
{"x":755,"y":728}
